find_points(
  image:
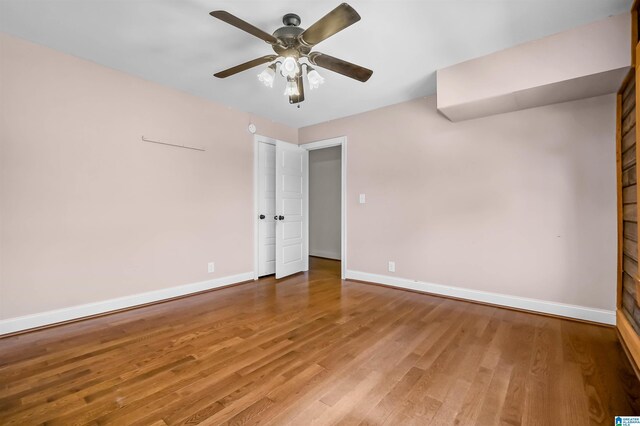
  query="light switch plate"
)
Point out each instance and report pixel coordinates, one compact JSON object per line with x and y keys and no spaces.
{"x":363,"y":199}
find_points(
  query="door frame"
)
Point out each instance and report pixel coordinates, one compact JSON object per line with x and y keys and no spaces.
{"x":257,"y":139}
{"x":320,"y":144}
{"x":328,"y":143}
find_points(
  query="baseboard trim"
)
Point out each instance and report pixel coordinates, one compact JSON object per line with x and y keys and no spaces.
{"x":324,"y":254}
{"x":43,"y":319}
{"x":583,"y":313}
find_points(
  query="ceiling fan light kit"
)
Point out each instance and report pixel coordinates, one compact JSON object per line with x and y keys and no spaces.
{"x":268,"y":75}
{"x":292,"y":45}
{"x":291,"y":89}
{"x":289,"y":67}
{"x":315,"y":79}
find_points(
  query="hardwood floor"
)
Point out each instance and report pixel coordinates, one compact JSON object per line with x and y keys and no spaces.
{"x":310,"y":350}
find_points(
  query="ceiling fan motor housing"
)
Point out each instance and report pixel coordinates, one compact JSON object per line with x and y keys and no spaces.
{"x":291,"y":20}
{"x":288,"y":36}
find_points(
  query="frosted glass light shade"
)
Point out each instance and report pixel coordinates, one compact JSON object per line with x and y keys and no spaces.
{"x":315,"y":79}
{"x":267,"y":76}
{"x":291,"y":89}
{"x":289,"y":67}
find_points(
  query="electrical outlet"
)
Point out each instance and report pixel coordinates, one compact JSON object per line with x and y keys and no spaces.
{"x":211,"y":267}
{"x":392,"y":266}
{"x":363,"y":198}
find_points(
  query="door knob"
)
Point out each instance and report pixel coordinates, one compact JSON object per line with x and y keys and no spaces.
{"x":262,"y":216}
{"x":280,"y":217}
{"x":275,"y":217}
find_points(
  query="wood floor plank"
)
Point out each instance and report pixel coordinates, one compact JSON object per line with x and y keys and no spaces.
{"x":313,"y":349}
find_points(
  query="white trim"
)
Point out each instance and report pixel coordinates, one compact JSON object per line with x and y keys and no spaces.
{"x":26,"y":322}
{"x":305,"y":200}
{"x":535,"y":305}
{"x":325,"y":143}
{"x":343,"y":222}
{"x":328,"y":143}
{"x":256,"y":140}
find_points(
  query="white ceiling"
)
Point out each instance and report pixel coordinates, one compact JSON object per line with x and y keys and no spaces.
{"x":177,"y":43}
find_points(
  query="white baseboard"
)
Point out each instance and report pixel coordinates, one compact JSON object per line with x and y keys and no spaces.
{"x":324,"y":253}
{"x":26,"y":322}
{"x":535,"y":305}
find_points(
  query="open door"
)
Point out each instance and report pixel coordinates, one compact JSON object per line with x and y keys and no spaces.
{"x":266,"y":208}
{"x":292,"y":164}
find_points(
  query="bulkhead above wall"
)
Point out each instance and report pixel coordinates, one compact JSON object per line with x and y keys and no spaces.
{"x":590,"y":60}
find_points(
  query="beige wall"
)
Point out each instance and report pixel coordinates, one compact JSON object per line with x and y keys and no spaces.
{"x":325,"y":193}
{"x":521,"y":204}
{"x":88,"y":211}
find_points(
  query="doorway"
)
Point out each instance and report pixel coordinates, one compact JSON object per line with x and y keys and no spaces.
{"x":325,"y":199}
{"x":281,"y":205}
{"x":341,"y":144}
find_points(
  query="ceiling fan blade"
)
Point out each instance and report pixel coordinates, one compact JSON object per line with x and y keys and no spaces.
{"x":243,"y":67}
{"x":341,"y":67}
{"x":244,"y":26}
{"x":336,"y":20}
{"x":300,"y":97}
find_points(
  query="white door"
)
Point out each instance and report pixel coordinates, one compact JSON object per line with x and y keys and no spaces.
{"x":292,"y":164}
{"x":266,"y":209}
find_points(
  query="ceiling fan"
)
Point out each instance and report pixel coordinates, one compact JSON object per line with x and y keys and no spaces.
{"x":292,"y":44}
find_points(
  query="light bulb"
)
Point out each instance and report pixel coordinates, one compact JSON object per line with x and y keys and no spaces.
{"x":291,"y":89}
{"x":289,"y":67}
{"x":315,"y":79}
{"x":267,"y":75}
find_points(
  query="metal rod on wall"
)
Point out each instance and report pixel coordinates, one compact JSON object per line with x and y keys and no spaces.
{"x":173,"y":144}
